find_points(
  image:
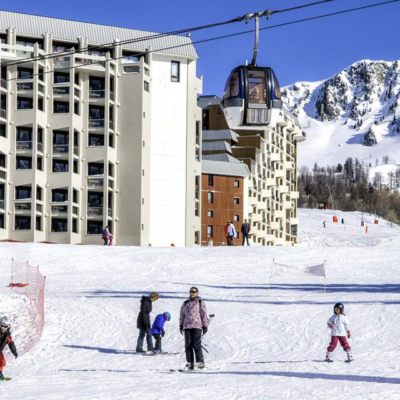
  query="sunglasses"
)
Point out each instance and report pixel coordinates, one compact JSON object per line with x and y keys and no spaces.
{"x":3,"y":326}
{"x":193,"y":291}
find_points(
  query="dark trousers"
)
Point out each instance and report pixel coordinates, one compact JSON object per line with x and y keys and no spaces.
{"x":230,"y":240}
{"x":343,"y":343}
{"x":149,"y":340}
{"x":158,"y":339}
{"x":193,"y":345}
{"x":105,"y":242}
{"x":245,"y":236}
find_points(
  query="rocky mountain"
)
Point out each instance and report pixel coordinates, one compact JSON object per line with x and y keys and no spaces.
{"x":355,"y":113}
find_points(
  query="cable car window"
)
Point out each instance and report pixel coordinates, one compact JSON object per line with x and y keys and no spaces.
{"x":277,"y":88}
{"x":232,"y":86}
{"x":257,"y":88}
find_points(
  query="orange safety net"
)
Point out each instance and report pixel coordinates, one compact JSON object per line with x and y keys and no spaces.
{"x":28,"y":281}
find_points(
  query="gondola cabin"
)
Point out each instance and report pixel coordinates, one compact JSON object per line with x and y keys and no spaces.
{"x":252,"y":98}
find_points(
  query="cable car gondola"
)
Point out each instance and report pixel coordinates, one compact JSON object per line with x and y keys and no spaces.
{"x":252,"y":97}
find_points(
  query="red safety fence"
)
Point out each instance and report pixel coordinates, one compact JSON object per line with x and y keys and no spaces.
{"x":28,"y":281}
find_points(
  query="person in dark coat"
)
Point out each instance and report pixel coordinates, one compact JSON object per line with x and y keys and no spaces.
{"x":5,"y":339}
{"x":144,"y":323}
{"x":245,"y":229}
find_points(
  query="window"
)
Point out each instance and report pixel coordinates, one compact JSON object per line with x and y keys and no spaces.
{"x":236,"y":200}
{"x":60,"y":165}
{"x":2,"y":222}
{"x":95,"y":199}
{"x":236,"y":184}
{"x":3,"y":130}
{"x":61,"y":107}
{"x":24,"y":138}
{"x":75,"y":196}
{"x":210,"y":213}
{"x":76,"y":108}
{"x":146,"y":86}
{"x":111,"y":170}
{"x":59,"y":225}
{"x":75,"y":167}
{"x":94,"y":227}
{"x":210,"y":197}
{"x":24,"y":103}
{"x":257,"y":88}
{"x":22,"y":222}
{"x":25,"y":73}
{"x":131,"y":69}
{"x":39,"y":164}
{"x":95,"y":169}
{"x":232,"y":86}
{"x":40,"y":104}
{"x":74,"y":225}
{"x":236,"y":217}
{"x":38,"y":223}
{"x":209,"y":231}
{"x":39,"y":192}
{"x":175,"y":71}
{"x":59,"y":195}
{"x":60,"y":77}
{"x":210,"y":180}
{"x":24,"y":162}
{"x":2,"y":160}
{"x":23,"y":192}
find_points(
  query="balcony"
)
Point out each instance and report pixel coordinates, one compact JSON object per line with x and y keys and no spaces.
{"x":22,"y":207}
{"x":95,"y":183}
{"x":265,"y":193}
{"x":300,"y":136}
{"x":294,"y":195}
{"x":275,"y":157}
{"x":3,"y":175}
{"x":40,"y":147}
{"x":95,"y":212}
{"x":279,"y":214}
{"x":60,"y":148}
{"x":24,"y":145}
{"x":283,"y":189}
{"x":96,"y":123}
{"x":111,"y":184}
{"x":97,"y":94}
{"x":39,"y":208}
{"x":24,"y":86}
{"x":270,"y":182}
{"x":60,"y":90}
{"x":3,"y":113}
{"x":279,"y":173}
{"x":270,"y":237}
{"x":110,"y":212}
{"x":59,"y":210}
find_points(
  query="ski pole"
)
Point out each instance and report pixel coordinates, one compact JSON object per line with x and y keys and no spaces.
{"x":210,"y":318}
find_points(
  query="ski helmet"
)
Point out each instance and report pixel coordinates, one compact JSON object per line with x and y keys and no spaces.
{"x":340,"y":306}
{"x":4,"y":321}
{"x":168,"y":315}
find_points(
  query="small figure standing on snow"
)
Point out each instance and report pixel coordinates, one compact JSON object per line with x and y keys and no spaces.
{"x":340,"y":328}
{"x":110,"y":239}
{"x":193,"y":323}
{"x":5,"y":339}
{"x":144,"y":324}
{"x":157,"y":330}
{"x":324,"y":224}
{"x":105,"y":235}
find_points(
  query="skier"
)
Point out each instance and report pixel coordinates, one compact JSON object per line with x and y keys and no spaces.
{"x":110,"y":239}
{"x":340,"y":327}
{"x":193,"y":323}
{"x":144,"y":324}
{"x":5,"y":338}
{"x":245,"y":229}
{"x":157,"y":330}
{"x":105,"y":235}
{"x":231,"y":233}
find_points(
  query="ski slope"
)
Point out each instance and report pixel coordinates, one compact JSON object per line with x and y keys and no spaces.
{"x":263,"y":343}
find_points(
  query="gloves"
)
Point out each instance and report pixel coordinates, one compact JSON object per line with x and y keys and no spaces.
{"x":330,"y":325}
{"x":163,"y":333}
{"x":348,"y":334}
{"x":16,"y":355}
{"x":205,"y":329}
{"x":181,"y":329}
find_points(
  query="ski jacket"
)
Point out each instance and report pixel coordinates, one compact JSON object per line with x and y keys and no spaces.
{"x":158,"y":325}
{"x":226,"y":230}
{"x":6,"y":339}
{"x":105,"y":233}
{"x":193,"y":314}
{"x":340,"y":325}
{"x":143,"y":319}
{"x":231,"y":230}
{"x":245,"y":229}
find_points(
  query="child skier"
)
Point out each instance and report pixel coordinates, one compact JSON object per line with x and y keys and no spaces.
{"x":157,"y":330}
{"x":5,"y":338}
{"x":340,"y":328}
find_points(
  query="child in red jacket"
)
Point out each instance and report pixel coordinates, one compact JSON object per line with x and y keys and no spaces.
{"x":5,"y":339}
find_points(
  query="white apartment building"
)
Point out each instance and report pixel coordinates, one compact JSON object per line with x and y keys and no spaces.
{"x":105,"y":133}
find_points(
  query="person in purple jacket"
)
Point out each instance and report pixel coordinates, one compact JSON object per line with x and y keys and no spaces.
{"x":157,"y":330}
{"x":193,"y":323}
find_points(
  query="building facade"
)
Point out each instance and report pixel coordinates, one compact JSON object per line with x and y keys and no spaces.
{"x":94,"y":135}
{"x":271,"y":157}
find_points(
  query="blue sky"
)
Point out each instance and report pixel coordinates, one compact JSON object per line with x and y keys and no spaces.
{"x":304,"y":52}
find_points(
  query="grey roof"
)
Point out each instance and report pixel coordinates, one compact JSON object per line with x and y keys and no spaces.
{"x":34,"y":25}
{"x":205,"y":101}
{"x":224,"y":168}
{"x":216,"y":146}
{"x":220,"y":157}
{"x":223,"y":134}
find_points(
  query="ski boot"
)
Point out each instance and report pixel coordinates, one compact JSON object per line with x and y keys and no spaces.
{"x":1,"y":376}
{"x":189,"y":367}
{"x":201,"y":365}
{"x":349,"y":356}
{"x":328,"y":357}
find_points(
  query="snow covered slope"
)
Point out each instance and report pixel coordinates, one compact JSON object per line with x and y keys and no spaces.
{"x":263,"y":343}
{"x":355,"y":113}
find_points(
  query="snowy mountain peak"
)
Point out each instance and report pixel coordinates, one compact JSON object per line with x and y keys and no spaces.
{"x":359,"y":105}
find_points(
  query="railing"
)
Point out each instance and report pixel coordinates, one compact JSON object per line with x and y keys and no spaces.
{"x":76,"y":150}
{"x":2,"y":204}
{"x":59,"y":209}
{"x":24,"y":145}
{"x":3,"y":175}
{"x":96,"y":123}
{"x":3,"y":84}
{"x":39,"y":208}
{"x":75,"y":210}
{"x":112,"y":96}
{"x":22,"y":206}
{"x":60,"y":148}
{"x":110,"y":212}
{"x":3,"y":113}
{"x":40,"y":147}
{"x":25,"y":86}
{"x":95,"y":211}
{"x":61,"y":90}
{"x":98,"y":182}
{"x":61,"y":61}
{"x":129,"y":59}
{"x":88,"y":61}
{"x":111,"y":125}
{"x":97,"y":94}
{"x":41,"y":89}
{"x":111,"y":183}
